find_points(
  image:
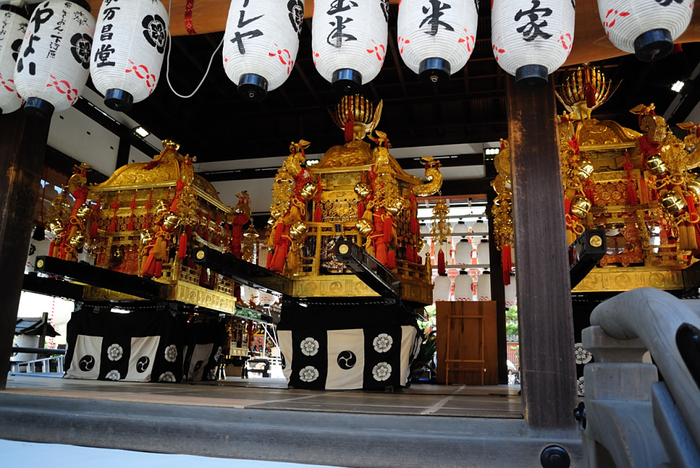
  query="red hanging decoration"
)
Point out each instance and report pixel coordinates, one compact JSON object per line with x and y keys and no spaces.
{"x":115,"y":207}
{"x":132,"y":205}
{"x":589,"y":89}
{"x":506,"y":264}
{"x":441,"y":263}
{"x":94,"y":225}
{"x":360,"y":209}
{"x":349,"y":133}
{"x":388,"y":223}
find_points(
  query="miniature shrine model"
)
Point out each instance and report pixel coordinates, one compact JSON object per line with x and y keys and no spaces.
{"x":343,"y":243}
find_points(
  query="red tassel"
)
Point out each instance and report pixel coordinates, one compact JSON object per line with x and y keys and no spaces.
{"x":414,"y":225}
{"x":318,"y":214}
{"x":278,"y":233}
{"x":567,"y":206}
{"x":441,"y":263}
{"x":159,"y":269}
{"x":93,"y":229}
{"x":387,"y":228}
{"x":360,"y":209}
{"x":349,"y":130}
{"x":391,"y":259}
{"x":506,"y":263}
{"x":182,"y":246}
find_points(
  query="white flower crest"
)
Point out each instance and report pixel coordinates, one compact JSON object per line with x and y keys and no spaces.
{"x":115,"y":352}
{"x":113,"y":375}
{"x":308,"y":374}
{"x":581,"y":387}
{"x":381,"y":371}
{"x":382,"y":343}
{"x":309,"y":347}
{"x":166,"y":377}
{"x":171,"y":353}
{"x":582,"y":355}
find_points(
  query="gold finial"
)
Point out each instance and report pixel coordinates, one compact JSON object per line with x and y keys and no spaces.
{"x":358,"y":111}
{"x":170,"y":145}
{"x":585,"y":90}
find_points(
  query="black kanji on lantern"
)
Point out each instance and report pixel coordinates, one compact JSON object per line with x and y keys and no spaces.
{"x":339,"y":6}
{"x":668,"y":2}
{"x":102,"y":56}
{"x":41,"y":15}
{"x":532,"y":29}
{"x":242,"y":22}
{"x":337,"y":36}
{"x":434,"y":12}
{"x":296,"y":13}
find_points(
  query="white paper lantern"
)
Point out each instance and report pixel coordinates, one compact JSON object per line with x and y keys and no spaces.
{"x":480,"y":227}
{"x":483,"y":287}
{"x":646,"y":28}
{"x":483,"y":256}
{"x":128,"y":50}
{"x":531,"y":39}
{"x":424,"y":228}
{"x":54,"y":60}
{"x":436,"y":39}
{"x":463,"y":287}
{"x":460,"y":229}
{"x":463,"y":252}
{"x":442,"y":288}
{"x":13,"y":25}
{"x":349,"y":40}
{"x":511,"y":292}
{"x":261,"y":43}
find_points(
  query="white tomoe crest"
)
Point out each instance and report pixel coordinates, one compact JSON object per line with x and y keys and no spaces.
{"x":624,"y":21}
{"x":262,"y":38}
{"x":429,"y":29}
{"x":442,"y":288}
{"x":54,"y":61}
{"x":350,"y":34}
{"x":12,"y":29}
{"x":128,"y":49}
{"x":532,"y":32}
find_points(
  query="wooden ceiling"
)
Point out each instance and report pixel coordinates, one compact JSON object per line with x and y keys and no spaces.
{"x":218,"y":125}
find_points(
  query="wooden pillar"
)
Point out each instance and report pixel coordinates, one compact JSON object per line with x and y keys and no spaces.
{"x":498,"y":294}
{"x":22,"y":148}
{"x":544,"y":289}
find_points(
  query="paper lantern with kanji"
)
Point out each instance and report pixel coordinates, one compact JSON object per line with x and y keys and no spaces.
{"x":261,"y":43}
{"x":531,"y":39}
{"x":463,"y":287}
{"x":13,"y":25}
{"x":128,"y":50}
{"x":54,"y":61}
{"x":483,"y":256}
{"x":435,"y":39}
{"x":442,"y":288}
{"x":646,"y":28}
{"x":349,"y":41}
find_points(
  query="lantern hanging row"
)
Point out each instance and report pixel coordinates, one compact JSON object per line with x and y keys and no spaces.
{"x":532,"y":38}
{"x":128,"y":50}
{"x":436,"y":38}
{"x":349,"y":40}
{"x":646,"y":28}
{"x":260,"y":44}
{"x":54,"y":59}
{"x":13,"y":25}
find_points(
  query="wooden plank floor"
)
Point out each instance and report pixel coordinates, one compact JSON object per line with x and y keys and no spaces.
{"x":272,"y":394}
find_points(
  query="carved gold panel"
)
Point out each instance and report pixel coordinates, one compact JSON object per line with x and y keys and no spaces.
{"x":624,"y":279}
{"x":196,"y":295}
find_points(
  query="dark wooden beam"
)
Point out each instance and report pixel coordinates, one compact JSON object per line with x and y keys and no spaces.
{"x":544,"y":292}
{"x":22,"y":146}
